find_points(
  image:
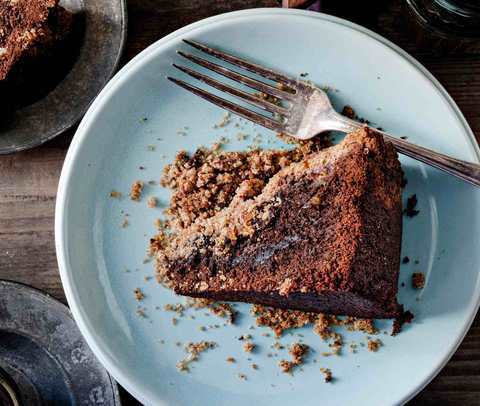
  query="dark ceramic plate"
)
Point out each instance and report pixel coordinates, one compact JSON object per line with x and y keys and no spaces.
{"x":43,"y":355}
{"x":93,"y":56}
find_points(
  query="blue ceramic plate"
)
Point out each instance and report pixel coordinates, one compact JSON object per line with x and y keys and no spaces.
{"x":140,"y":108}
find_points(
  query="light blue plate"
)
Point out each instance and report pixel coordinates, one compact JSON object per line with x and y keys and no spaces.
{"x":385,"y":85}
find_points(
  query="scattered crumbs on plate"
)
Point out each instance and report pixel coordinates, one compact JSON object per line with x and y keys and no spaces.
{"x":243,"y":377}
{"x":241,"y":136}
{"x":405,"y":260}
{"x":174,"y":321}
{"x":327,"y":374}
{"x":136,"y":190}
{"x":150,"y":147}
{"x":143,"y":119}
{"x":193,"y":351}
{"x":373,"y":345}
{"x":146,"y":260}
{"x":248,"y":346}
{"x":244,"y":337}
{"x":125,"y":222}
{"x":152,"y":202}
{"x":352,"y":348}
{"x":303,"y":74}
{"x":177,"y":308}
{"x":254,"y":366}
{"x":202,"y":328}
{"x":348,"y":111}
{"x":410,"y":210}
{"x":146,"y":278}
{"x":418,"y":280}
{"x":115,"y":194}
{"x":231,"y":360}
{"x":226,"y":119}
{"x":141,"y":167}
{"x":141,"y":312}
{"x":138,"y":294}
{"x":152,"y":182}
{"x":297,"y":351}
{"x":178,"y":343}
{"x":182,"y":133}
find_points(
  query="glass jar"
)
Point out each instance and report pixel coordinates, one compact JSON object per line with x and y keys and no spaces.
{"x":448,"y":26}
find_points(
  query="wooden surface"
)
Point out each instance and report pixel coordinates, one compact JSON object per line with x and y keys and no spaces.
{"x":28,"y":180}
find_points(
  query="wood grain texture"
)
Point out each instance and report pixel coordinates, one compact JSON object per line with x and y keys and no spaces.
{"x":28,"y":180}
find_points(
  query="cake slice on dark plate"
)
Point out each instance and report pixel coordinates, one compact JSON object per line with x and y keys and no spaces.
{"x":324,"y":235}
{"x":32,"y":32}
{"x":29,"y":29}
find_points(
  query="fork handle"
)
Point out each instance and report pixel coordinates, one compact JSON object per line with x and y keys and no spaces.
{"x":467,"y":171}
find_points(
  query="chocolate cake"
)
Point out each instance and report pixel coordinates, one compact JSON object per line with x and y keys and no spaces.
{"x":324,"y":235}
{"x":30,"y":30}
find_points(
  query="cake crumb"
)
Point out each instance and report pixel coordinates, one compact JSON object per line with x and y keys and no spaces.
{"x":405,"y":260}
{"x":418,"y":280}
{"x":403,"y":318}
{"x":136,"y":190}
{"x":297,"y":351}
{"x":193,"y":351}
{"x":410,"y":210}
{"x":243,"y":377}
{"x":141,"y":312}
{"x":138,"y":294}
{"x":374,"y":345}
{"x":174,"y":321}
{"x":327,"y":374}
{"x":348,"y":111}
{"x":231,"y":360}
{"x":177,"y":308}
{"x":125,"y":222}
{"x":152,"y":202}
{"x":248,"y":346}
{"x":254,"y":366}
{"x":115,"y":194}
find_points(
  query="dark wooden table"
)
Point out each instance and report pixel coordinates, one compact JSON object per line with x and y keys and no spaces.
{"x":28,"y":180}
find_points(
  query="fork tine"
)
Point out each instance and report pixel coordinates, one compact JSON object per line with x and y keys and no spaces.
{"x":234,"y":108}
{"x":252,"y":67}
{"x":253,"y":83}
{"x":257,"y":101}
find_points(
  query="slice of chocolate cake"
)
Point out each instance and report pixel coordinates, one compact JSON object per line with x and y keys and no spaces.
{"x":324,"y":235}
{"x":29,"y":29}
{"x":31,"y":33}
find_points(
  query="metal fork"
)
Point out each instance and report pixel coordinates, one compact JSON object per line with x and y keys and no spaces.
{"x":306,"y":110}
